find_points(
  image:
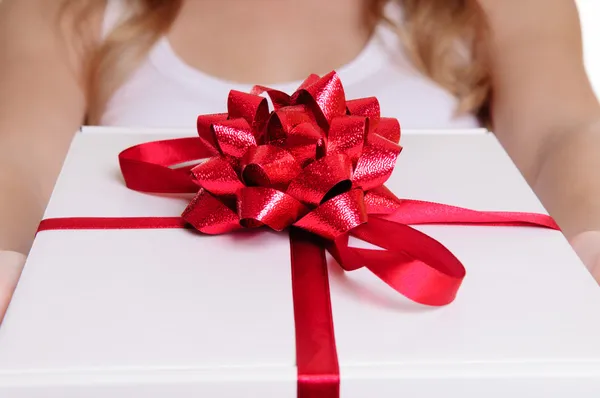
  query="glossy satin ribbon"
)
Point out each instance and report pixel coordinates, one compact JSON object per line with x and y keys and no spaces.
{"x":315,"y":165}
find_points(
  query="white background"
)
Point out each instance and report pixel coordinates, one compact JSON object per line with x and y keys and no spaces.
{"x":590,"y":21}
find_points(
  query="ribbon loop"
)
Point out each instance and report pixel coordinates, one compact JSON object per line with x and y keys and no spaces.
{"x":252,"y":108}
{"x":269,"y":166}
{"x":414,"y":264}
{"x":150,"y":167}
{"x":388,"y":128}
{"x":366,"y":107}
{"x":259,"y":206}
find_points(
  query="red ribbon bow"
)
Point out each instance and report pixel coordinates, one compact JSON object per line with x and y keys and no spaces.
{"x":315,"y":165}
{"x":318,"y":163}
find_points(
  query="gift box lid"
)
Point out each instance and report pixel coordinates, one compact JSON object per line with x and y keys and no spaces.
{"x":169,"y":307}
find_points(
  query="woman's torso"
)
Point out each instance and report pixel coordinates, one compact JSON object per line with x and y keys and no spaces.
{"x":166,"y":92}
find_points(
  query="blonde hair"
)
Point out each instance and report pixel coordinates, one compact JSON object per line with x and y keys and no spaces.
{"x":444,"y":38}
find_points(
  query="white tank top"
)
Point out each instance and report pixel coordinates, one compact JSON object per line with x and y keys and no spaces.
{"x":165,"y":92}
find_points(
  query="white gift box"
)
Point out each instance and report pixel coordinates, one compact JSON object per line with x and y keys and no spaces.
{"x":168,"y":313}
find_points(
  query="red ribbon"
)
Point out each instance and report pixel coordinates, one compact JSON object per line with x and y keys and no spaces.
{"x":315,"y":165}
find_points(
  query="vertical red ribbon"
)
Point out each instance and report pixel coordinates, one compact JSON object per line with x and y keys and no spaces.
{"x":316,"y":354}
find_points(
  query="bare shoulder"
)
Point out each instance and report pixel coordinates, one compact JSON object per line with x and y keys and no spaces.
{"x":65,"y":28}
{"x":42,"y":75}
{"x":510,"y":19}
{"x":540,"y":89}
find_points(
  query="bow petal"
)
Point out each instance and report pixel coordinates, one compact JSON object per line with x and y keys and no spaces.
{"x":209,"y":215}
{"x":376,"y":164}
{"x":325,"y":96}
{"x":336,"y":216}
{"x":217,"y":176}
{"x":207,"y":135}
{"x":309,"y":81}
{"x":233,"y":137}
{"x":278,"y":98}
{"x":283,"y":121}
{"x":347,"y":135}
{"x":381,"y":200}
{"x":306,"y":143}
